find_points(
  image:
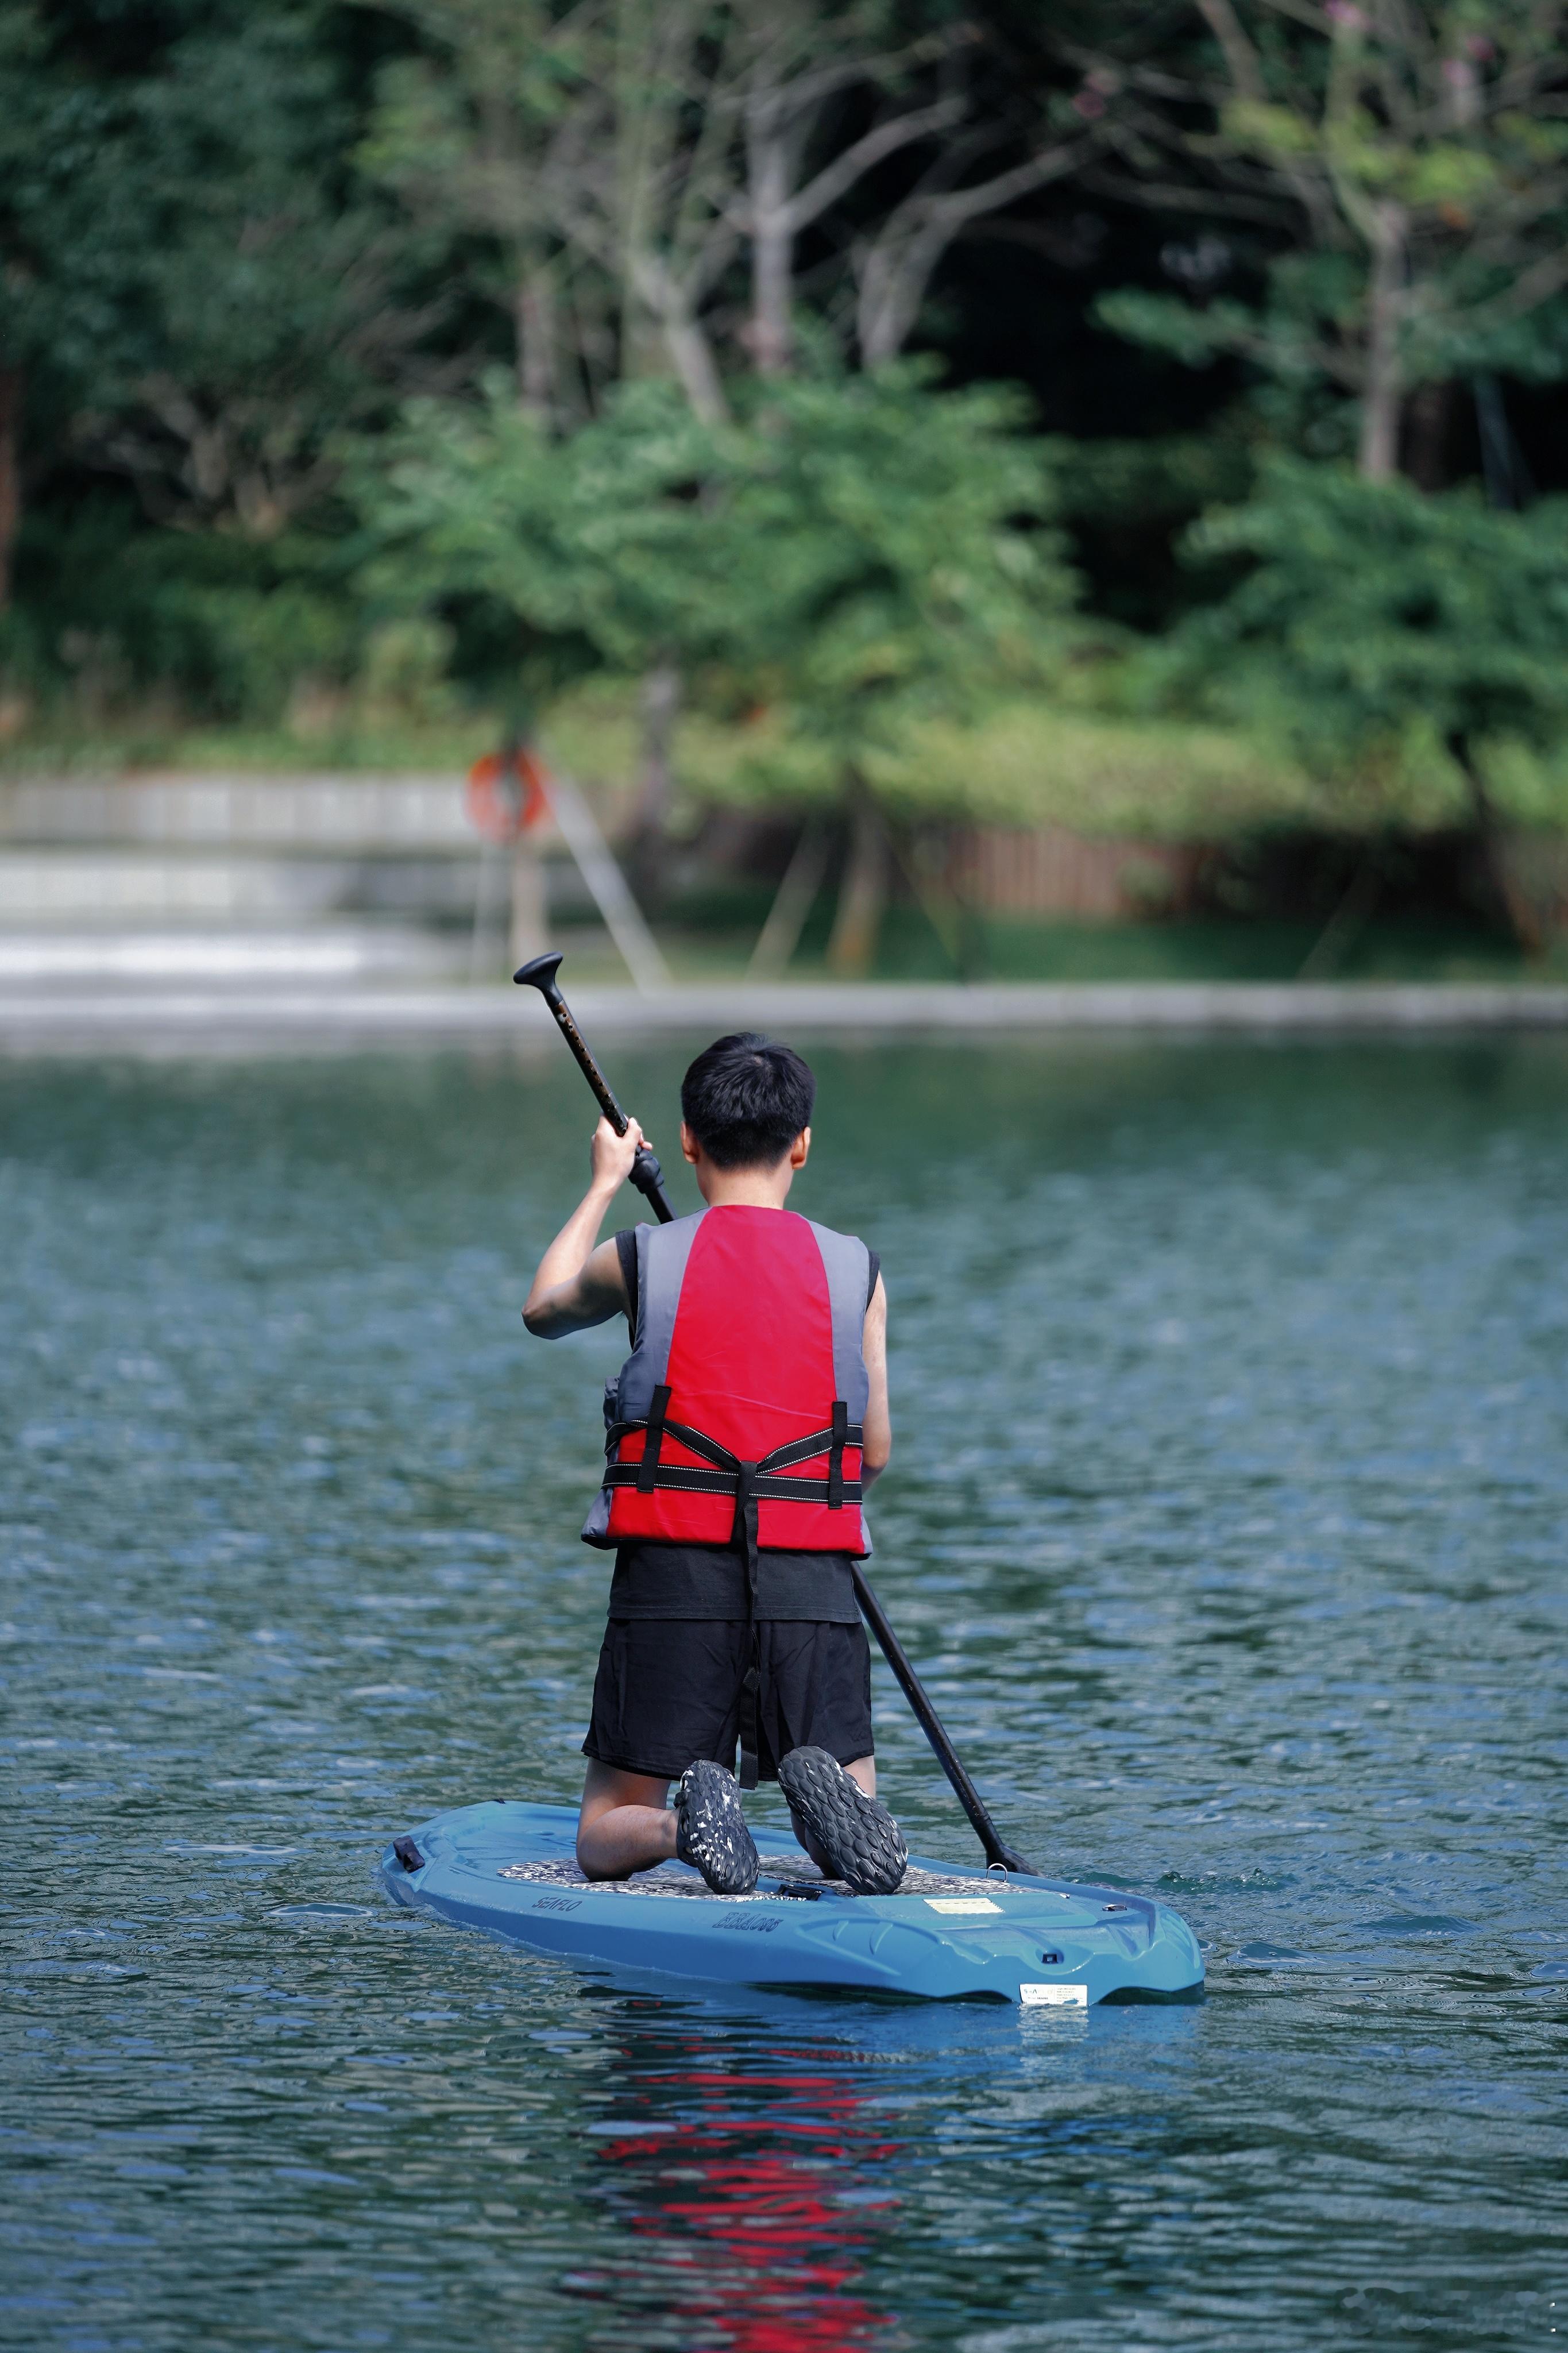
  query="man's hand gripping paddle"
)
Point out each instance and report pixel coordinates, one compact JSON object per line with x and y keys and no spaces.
{"x":647,"y":1176}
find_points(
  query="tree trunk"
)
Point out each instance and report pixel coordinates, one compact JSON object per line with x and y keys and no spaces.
{"x":1506,"y":476}
{"x":660,"y":709}
{"x":10,"y":474}
{"x":863,"y":892}
{"x":1513,"y":904}
{"x":1429,"y":431}
{"x":693,"y":359}
{"x":690,"y":353}
{"x":899,"y":264}
{"x":772,"y":253}
{"x":536,"y":345}
{"x":885,"y":308}
{"x":1378,"y":459}
{"x":897,"y":271}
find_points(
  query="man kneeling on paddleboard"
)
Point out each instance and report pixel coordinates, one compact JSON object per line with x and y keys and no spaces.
{"x":744,"y":1428}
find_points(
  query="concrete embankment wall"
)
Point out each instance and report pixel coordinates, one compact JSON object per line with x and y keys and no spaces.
{"x":272,"y":848}
{"x":211,"y":849}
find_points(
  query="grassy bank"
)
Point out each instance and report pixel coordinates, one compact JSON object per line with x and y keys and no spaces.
{"x":1075,"y":761}
{"x":1200,"y":949}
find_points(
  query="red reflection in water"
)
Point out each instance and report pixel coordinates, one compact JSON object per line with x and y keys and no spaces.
{"x":735,"y":2198}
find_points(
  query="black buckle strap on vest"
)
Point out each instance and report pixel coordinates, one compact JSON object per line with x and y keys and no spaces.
{"x":653,"y":1440}
{"x":771,"y":1485}
{"x":688,"y":1479}
{"x":751,"y":1712}
{"x":835,"y":1456}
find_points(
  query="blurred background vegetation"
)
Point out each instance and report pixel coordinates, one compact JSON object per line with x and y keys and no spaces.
{"x":1144,"y":421}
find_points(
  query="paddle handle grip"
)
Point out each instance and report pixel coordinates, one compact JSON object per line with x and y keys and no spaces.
{"x":647,"y":1175}
{"x":998,"y":1851}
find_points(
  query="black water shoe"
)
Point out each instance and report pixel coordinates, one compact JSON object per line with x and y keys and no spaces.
{"x":710,"y":1830}
{"x":862,"y":1842}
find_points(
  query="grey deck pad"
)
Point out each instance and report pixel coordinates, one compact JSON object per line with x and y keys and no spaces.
{"x":675,"y":1879}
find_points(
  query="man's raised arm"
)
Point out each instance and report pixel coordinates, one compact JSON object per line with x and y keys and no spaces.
{"x":578,"y":1284}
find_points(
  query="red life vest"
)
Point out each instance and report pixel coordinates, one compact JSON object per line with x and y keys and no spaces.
{"x":737,"y":1417}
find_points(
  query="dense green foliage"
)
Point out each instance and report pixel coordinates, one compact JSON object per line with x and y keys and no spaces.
{"x":1413,"y":164}
{"x":900,"y":576}
{"x":1367,"y":604}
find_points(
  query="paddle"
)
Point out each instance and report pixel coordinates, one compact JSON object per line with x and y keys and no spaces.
{"x":647,"y":1175}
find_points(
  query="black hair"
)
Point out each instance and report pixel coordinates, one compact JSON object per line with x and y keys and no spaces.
{"x":746,"y":1099}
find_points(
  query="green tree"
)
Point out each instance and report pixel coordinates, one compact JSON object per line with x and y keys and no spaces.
{"x":585,"y":155}
{"x":198,"y":299}
{"x":901,"y":565}
{"x":65,"y":258}
{"x":267,"y":287}
{"x":1408,"y":163}
{"x":472,"y":135}
{"x":858,"y":553}
{"x":629,"y":186}
{"x":202,"y":295}
{"x":635,"y":178}
{"x":1371,"y":609}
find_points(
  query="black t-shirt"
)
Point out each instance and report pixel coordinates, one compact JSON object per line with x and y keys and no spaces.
{"x":692,"y":1580}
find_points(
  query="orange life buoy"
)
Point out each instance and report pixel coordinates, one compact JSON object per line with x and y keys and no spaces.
{"x":506,"y":794}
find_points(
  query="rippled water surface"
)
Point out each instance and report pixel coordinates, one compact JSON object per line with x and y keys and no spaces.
{"x":1227,"y":1523}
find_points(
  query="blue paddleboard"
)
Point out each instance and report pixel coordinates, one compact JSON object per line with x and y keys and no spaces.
{"x":511,"y":1869}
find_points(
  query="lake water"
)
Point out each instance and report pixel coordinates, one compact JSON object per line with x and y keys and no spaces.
{"x":1227,"y":1524}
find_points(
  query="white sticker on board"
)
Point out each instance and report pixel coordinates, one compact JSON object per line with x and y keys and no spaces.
{"x":961,"y":1903}
{"x":1054,"y":1997}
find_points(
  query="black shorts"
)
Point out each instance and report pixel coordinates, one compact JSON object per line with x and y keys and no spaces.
{"x":669,"y":1691}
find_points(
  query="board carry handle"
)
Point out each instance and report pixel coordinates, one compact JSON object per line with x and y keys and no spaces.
{"x":648,"y":1178}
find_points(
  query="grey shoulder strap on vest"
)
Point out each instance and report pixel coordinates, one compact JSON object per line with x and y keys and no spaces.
{"x":847,"y":1262}
{"x":662,"y":1253}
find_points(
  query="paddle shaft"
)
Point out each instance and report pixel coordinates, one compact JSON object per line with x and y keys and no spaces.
{"x":646,"y":1175}
{"x":998,"y":1851}
{"x":649,"y":1181}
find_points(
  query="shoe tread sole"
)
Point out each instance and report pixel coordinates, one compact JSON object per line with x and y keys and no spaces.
{"x":856,"y":1833}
